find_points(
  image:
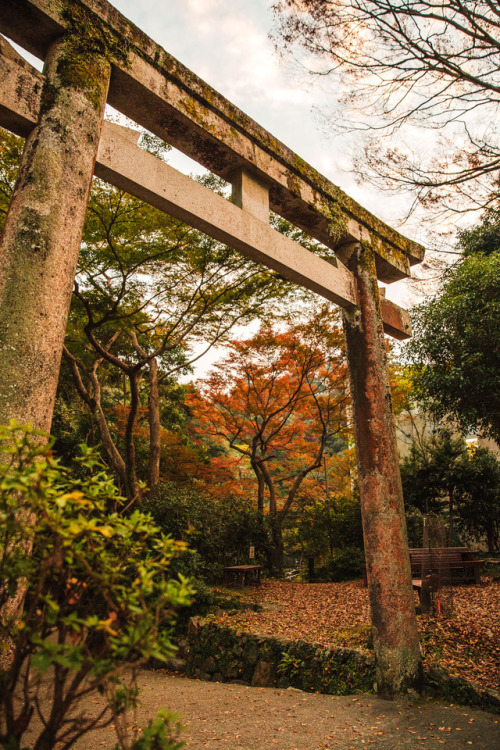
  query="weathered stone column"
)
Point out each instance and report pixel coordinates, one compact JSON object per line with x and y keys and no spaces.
{"x":392,"y":604}
{"x":43,"y":230}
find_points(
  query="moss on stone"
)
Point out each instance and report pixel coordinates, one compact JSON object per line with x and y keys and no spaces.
{"x":442,"y":685}
{"x":82,"y":72}
{"x":307,"y":666}
{"x":92,"y":36}
{"x":89,"y":46}
{"x":336,"y":218}
{"x":331,"y":202}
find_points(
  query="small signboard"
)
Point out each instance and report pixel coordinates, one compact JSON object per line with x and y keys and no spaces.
{"x":251,"y":554}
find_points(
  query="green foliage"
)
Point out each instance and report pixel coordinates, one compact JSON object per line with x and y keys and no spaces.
{"x":414,"y":526}
{"x":334,"y":672}
{"x":344,"y":565}
{"x":99,"y":600}
{"x":479,"y":505}
{"x":455,"y":350}
{"x":484,"y":238}
{"x":158,"y":734}
{"x":333,"y":524}
{"x":219,"y":530}
{"x":444,"y":475}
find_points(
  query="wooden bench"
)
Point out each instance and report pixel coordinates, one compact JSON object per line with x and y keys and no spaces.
{"x":243,"y":574}
{"x":446,"y":565}
{"x":455,"y":564}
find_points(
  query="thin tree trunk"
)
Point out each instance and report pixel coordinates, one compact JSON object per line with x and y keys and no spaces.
{"x":261,"y":486}
{"x":94,"y":404}
{"x":276,"y":556}
{"x":277,"y":544}
{"x":133,"y":489}
{"x":451,"y":510}
{"x":154,"y":429}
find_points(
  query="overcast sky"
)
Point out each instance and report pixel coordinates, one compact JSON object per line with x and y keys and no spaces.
{"x":226,"y":43}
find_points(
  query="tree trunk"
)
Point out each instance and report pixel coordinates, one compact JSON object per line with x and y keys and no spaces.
{"x":276,"y":551}
{"x":276,"y":546}
{"x":492,"y":539}
{"x":93,"y":402}
{"x":133,"y":488}
{"x":451,"y":510}
{"x":397,"y":654}
{"x":43,"y":229}
{"x":154,"y":429}
{"x":261,"y":486}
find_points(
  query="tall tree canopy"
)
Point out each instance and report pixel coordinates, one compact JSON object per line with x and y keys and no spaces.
{"x":278,"y":400}
{"x":148,"y":289}
{"x":444,"y":474}
{"x":455,"y":350}
{"x":417,"y":62}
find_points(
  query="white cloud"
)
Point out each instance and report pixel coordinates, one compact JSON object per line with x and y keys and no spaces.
{"x":201,"y":7}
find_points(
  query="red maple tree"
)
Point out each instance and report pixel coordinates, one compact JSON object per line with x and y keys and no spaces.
{"x":277,"y":400}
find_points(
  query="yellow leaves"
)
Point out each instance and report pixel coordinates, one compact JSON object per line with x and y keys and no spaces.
{"x":79,"y":497}
{"x":106,"y":624}
{"x":106,"y":531}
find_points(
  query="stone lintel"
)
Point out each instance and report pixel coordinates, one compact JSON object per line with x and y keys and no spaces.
{"x":130,"y":168}
{"x":250,"y":194}
{"x":20,"y":92}
{"x":157,"y":91}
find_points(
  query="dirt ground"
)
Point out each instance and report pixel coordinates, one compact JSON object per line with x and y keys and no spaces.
{"x":230,"y":716}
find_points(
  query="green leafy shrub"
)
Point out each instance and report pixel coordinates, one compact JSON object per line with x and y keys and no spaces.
{"x":414,"y":527}
{"x":445,"y":475}
{"x":219,"y":530}
{"x":98,"y":598}
{"x":345,"y":565}
{"x":325,"y":526}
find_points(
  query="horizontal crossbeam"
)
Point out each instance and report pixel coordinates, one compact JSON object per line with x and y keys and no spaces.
{"x":157,"y":91}
{"x":134,"y":170}
{"x":126,"y":166}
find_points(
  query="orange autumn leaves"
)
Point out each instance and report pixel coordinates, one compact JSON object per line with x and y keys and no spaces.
{"x":276,"y":401}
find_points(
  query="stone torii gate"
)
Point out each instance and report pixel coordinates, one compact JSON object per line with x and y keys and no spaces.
{"x":93,"y":55}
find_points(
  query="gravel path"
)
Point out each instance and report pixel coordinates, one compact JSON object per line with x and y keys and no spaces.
{"x":232,"y":716}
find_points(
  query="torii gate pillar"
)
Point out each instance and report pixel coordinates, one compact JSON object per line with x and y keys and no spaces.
{"x":395,"y":636}
{"x":43,"y":230}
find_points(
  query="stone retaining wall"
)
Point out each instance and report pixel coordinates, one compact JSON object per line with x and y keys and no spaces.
{"x":215,"y":653}
{"x":211,"y":652}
